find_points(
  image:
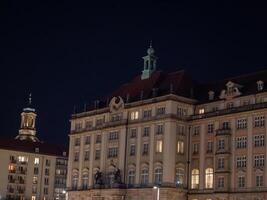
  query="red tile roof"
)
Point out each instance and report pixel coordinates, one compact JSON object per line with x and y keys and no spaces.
{"x":31,"y":147}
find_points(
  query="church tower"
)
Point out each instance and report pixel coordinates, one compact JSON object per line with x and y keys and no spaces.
{"x":150,"y":63}
{"x":27,"y":127}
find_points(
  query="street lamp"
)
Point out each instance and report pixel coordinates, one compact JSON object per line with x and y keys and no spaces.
{"x":157,"y":188}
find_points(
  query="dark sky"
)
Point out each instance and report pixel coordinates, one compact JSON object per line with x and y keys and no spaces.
{"x":69,"y":53}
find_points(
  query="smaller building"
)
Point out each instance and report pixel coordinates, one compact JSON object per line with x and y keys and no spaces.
{"x":31,"y":169}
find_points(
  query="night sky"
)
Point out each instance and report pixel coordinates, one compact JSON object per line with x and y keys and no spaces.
{"x":70,"y":53}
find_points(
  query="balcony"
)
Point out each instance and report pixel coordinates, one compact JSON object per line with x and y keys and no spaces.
{"x":223,"y":131}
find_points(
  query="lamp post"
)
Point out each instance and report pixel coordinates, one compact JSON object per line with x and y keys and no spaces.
{"x":157,"y":188}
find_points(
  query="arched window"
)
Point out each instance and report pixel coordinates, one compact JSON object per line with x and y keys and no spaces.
{"x":75,"y":177}
{"x":158,"y":175}
{"x":85,"y":179}
{"x":195,"y":179}
{"x":209,"y":178}
{"x":144,"y":176}
{"x":179,"y":179}
{"x":131,"y":177}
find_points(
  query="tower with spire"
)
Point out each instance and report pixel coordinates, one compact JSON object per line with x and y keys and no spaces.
{"x":27,"y":129}
{"x":150,"y":63}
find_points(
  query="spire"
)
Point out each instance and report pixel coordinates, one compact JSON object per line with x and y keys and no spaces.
{"x":150,"y":62}
{"x":27,"y":129}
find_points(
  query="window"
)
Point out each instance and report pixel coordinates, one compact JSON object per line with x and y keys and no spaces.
{"x":241,"y":181}
{"x":35,"y":170}
{"x":201,"y":111}
{"x":133,"y":132}
{"x":98,"y":139}
{"x":114,"y":135}
{"x":46,"y":181}
{"x":158,"y":176}
{"x":97,"y":154}
{"x":86,"y":155}
{"x":144,"y":176}
{"x":99,"y":121}
{"x":77,"y":142}
{"x":112,"y":152}
{"x":134,"y":115}
{"x":259,"y":180}
{"x":88,"y":124}
{"x":179,"y":176}
{"x":259,"y":160}
{"x":74,"y":182}
{"x":146,"y":131}
{"x":209,"y":178}
{"x":131,"y":177}
{"x":259,"y":140}
{"x":145,"y":149}
{"x":36,"y":161}
{"x":180,"y":147}
{"x":241,"y":142}
{"x":241,"y":161}
{"x":147,"y":113}
{"x":195,"y":179}
{"x":11,"y":168}
{"x":159,"y":129}
{"x":159,"y":146}
{"x":23,"y":159}
{"x":225,"y":125}
{"x":132,"y":150}
{"x":34,"y":189}
{"x":78,"y":126}
{"x":47,"y":162}
{"x":87,"y":140}
{"x":76,"y":156}
{"x":196,"y":130}
{"x":210,"y":128}
{"x":220,"y":182}
{"x":241,"y":123}
{"x":209,"y":147}
{"x":161,"y":111}
{"x":221,"y":144}
{"x":195,"y":148}
{"x":220,"y":163}
{"x":180,"y":130}
{"x":230,"y":105}
{"x":259,"y":121}
{"x":46,"y":171}
{"x":116,"y":117}
{"x":181,"y":112}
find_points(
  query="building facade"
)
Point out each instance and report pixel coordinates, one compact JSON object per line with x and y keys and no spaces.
{"x":164,"y":136}
{"x":30,"y":169}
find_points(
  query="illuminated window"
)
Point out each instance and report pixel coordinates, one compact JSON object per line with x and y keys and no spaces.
{"x":134,"y":115}
{"x":201,"y":111}
{"x":11,"y":168}
{"x":33,"y":197}
{"x":159,"y":146}
{"x":180,"y":147}
{"x":179,"y":176}
{"x":36,"y":161}
{"x":195,"y":179}
{"x":34,"y":180}
{"x":23,"y":159}
{"x":209,"y":178}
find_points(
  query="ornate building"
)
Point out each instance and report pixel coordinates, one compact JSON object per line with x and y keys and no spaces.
{"x":165,"y":136}
{"x":30,"y":169}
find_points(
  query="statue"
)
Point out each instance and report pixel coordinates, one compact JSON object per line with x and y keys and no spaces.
{"x":98,"y":178}
{"x":117,"y":176}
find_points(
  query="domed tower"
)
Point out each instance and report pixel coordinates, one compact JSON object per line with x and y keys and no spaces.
{"x":27,"y":129}
{"x":150,"y":63}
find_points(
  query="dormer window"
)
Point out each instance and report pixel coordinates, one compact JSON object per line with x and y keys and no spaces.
{"x":260,"y":85}
{"x":211,"y":95}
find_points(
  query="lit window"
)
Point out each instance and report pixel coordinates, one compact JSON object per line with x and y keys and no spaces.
{"x":179,"y":176}
{"x":195,"y":179}
{"x":180,"y":147}
{"x":134,"y":115}
{"x":159,"y":146}
{"x":23,"y":159}
{"x":33,"y":197}
{"x":36,"y":161}
{"x":201,"y":111}
{"x":209,"y":178}
{"x":34,"y":180}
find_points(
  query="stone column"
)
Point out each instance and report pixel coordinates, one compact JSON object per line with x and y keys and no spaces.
{"x":70,"y":160}
{"x":103,"y":153}
{"x":202,"y":157}
{"x":233,"y":162}
{"x":122,"y":145}
{"x":169,"y":152}
{"x":138,"y":155}
{"x":151,"y":154}
{"x":91,"y":160}
{"x":249,"y":153}
{"x":81,"y":158}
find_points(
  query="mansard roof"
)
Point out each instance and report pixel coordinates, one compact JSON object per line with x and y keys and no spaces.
{"x":33,"y":147}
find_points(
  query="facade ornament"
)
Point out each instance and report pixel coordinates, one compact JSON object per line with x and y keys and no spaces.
{"x":116,"y":104}
{"x":232,"y":90}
